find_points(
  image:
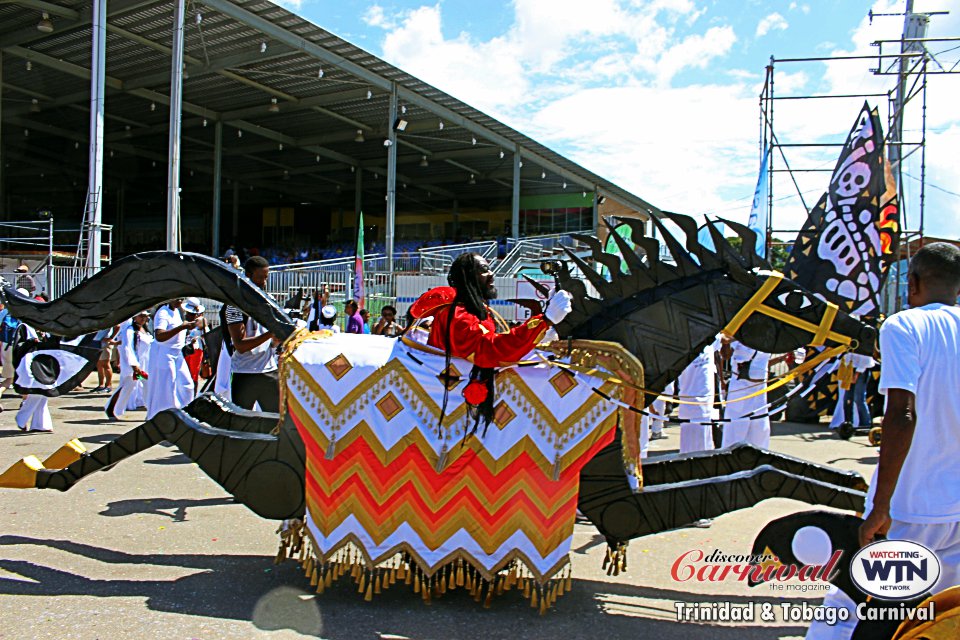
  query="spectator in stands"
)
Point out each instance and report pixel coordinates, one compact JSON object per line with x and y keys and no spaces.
{"x":388,"y":325}
{"x":354,"y":320}
{"x":25,"y":280}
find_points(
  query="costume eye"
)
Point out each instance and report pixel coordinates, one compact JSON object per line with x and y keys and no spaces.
{"x":795,"y":300}
{"x":811,"y":545}
{"x":48,"y":368}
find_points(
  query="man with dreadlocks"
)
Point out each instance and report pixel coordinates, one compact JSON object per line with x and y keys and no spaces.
{"x":464,"y":326}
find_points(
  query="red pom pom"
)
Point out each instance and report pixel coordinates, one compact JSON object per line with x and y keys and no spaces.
{"x":475,"y":393}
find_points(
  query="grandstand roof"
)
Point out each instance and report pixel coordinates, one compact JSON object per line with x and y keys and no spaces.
{"x":240,"y":57}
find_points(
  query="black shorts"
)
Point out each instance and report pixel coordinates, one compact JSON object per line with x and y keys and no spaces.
{"x":263,"y":388}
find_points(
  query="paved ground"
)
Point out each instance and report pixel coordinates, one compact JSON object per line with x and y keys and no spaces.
{"x":154,"y":549}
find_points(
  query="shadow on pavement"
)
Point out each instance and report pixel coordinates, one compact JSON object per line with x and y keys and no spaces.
{"x":252,"y":588}
{"x":176,"y":510}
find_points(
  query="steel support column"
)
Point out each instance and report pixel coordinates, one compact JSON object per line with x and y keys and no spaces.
{"x":3,"y":193}
{"x":217,"y":180}
{"x":391,"y":177}
{"x":515,"y":201}
{"x":173,"y":156}
{"x":235,"y":227}
{"x":98,"y":59}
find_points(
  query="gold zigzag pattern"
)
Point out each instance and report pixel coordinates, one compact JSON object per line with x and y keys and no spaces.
{"x":395,"y":376}
{"x":434,"y":535}
{"x":416,"y":438}
{"x":494,"y":498}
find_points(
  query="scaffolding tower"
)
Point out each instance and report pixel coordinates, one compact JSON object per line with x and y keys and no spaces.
{"x":909,"y":61}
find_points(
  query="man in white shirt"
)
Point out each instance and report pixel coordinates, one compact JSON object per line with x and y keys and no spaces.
{"x":254,"y":358}
{"x":748,"y":374}
{"x":916,"y":489}
{"x":170,"y":384}
{"x":915,"y":493}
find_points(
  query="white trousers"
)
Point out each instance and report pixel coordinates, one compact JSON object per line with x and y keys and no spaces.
{"x":34,"y":414}
{"x":695,"y":384}
{"x":837,"y":418}
{"x":696,"y":437}
{"x":138,"y":396}
{"x":756,"y":431}
{"x":942,"y":538}
{"x":170,"y":384}
{"x":221,"y":385}
{"x":120,"y":399}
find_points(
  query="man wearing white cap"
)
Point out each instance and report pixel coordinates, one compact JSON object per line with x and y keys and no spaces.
{"x":254,"y":359}
{"x":130,"y":366}
{"x":170,"y":384}
{"x":328,"y":319}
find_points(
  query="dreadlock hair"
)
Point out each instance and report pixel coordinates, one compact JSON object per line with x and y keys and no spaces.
{"x":464,"y":277}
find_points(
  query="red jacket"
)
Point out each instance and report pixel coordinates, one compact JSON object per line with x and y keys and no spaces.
{"x":479,"y":342}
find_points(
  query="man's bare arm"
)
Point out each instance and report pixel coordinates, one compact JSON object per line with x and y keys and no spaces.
{"x":899,"y":424}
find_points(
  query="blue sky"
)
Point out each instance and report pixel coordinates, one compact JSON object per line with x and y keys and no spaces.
{"x":661,"y":96}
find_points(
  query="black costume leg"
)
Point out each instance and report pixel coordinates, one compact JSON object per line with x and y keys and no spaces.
{"x":264,"y":472}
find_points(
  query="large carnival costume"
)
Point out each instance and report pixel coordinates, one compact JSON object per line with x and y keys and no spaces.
{"x":376,"y":480}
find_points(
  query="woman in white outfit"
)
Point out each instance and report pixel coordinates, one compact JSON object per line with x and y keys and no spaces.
{"x":170,"y":384}
{"x":748,"y":375}
{"x":130,"y":366}
{"x":34,"y":413}
{"x":144,"y":345}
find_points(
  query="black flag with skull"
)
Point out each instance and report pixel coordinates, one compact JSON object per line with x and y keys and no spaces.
{"x":853,"y":233}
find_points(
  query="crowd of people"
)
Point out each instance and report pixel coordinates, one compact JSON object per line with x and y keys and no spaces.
{"x":161,"y":357}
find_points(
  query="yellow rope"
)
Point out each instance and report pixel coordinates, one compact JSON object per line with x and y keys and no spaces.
{"x":794,"y":373}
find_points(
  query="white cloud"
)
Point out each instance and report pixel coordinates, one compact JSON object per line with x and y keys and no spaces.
{"x":771,"y":22}
{"x":803,"y":8}
{"x":618,"y":112}
{"x":292,"y":5}
{"x":677,"y":148}
{"x":375,"y":16}
{"x":696,"y":51}
{"x":462,"y":67}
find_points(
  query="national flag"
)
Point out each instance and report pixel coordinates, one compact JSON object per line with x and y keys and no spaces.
{"x":358,"y":265}
{"x":758,"y":210}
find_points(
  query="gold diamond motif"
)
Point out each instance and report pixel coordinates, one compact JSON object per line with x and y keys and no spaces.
{"x":449,"y":377}
{"x":339,"y":366}
{"x":389,"y":406}
{"x":563,"y":383}
{"x":503,"y":415}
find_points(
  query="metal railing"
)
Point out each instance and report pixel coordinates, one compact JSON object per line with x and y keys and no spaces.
{"x":522,"y":254}
{"x":439,"y":259}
